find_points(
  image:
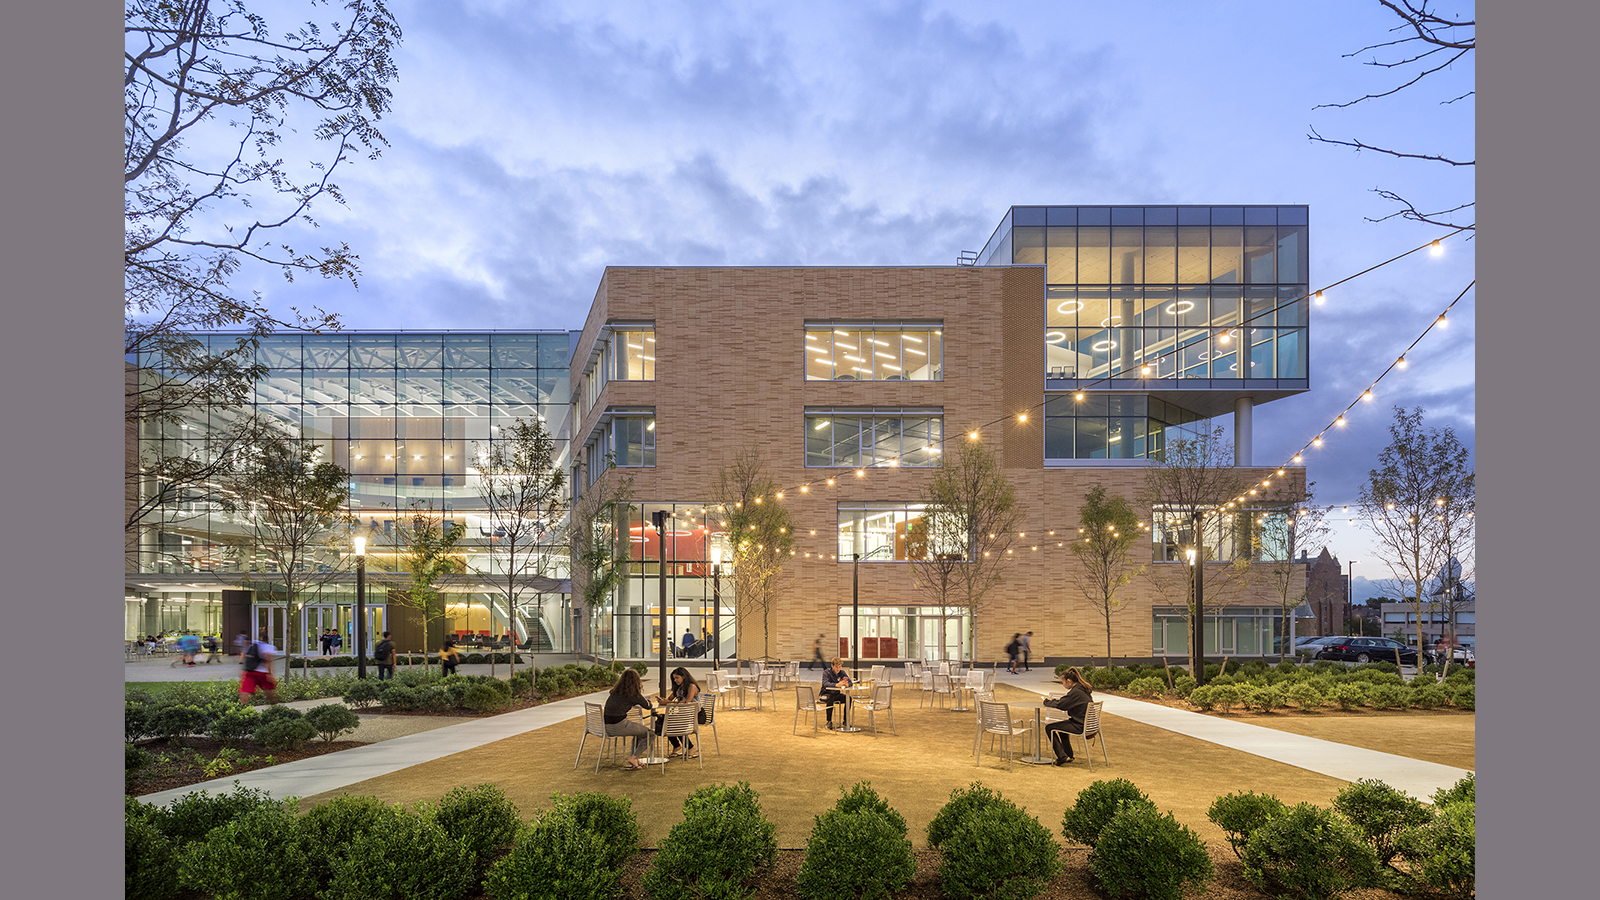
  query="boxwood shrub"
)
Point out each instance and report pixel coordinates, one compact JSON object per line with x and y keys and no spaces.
{"x":857,"y":849}
{"x":150,"y":858}
{"x":718,"y":848}
{"x":261,"y":855}
{"x":609,"y":817}
{"x":481,"y":817}
{"x":1096,"y":805}
{"x":1311,"y":852}
{"x":1146,"y":853}
{"x":285,"y":733}
{"x":1379,"y":812}
{"x":1440,"y":855}
{"x":1240,"y":814}
{"x":991,"y":848}
{"x":332,"y":719}
{"x":557,"y":859}
{"x":412,"y":858}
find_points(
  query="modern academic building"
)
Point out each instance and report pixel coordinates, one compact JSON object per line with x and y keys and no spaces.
{"x":1075,"y":345}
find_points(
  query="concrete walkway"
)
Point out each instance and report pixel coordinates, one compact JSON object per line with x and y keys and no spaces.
{"x":306,"y":777}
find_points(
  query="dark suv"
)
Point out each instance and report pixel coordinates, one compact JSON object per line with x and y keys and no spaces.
{"x":1371,"y":649}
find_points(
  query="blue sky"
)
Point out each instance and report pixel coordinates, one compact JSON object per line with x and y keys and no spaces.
{"x":532,"y":144}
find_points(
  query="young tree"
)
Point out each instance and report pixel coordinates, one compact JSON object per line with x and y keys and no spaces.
{"x":1191,"y":490}
{"x":971,"y":507}
{"x":600,"y":568}
{"x":524,"y":493}
{"x":1109,"y":530}
{"x":937,"y":548}
{"x":1419,"y":504}
{"x":760,"y":534}
{"x":293,"y":507}
{"x":1280,"y":538}
{"x":429,"y":555}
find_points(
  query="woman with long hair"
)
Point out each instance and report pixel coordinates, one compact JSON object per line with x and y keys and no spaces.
{"x":684,"y":690}
{"x":625,"y":695}
{"x":1074,"y":703}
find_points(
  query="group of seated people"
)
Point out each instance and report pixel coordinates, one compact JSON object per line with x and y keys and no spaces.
{"x":629,"y":693}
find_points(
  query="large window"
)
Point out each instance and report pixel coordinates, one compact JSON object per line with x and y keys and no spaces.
{"x":874,"y":351}
{"x":885,"y":532}
{"x":873,"y":437}
{"x":1250,"y":533}
{"x":1239,"y":630}
{"x":1109,"y":426}
{"x":631,"y":354}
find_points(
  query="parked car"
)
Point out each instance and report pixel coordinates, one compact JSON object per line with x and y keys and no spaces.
{"x":1459,"y":656}
{"x":1310,"y":644}
{"x":1370,"y":649}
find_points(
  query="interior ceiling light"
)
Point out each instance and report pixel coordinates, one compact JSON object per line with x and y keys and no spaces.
{"x":1109,"y":320}
{"x":1054,"y":337}
{"x":1062,"y":307}
{"x":1105,"y":345}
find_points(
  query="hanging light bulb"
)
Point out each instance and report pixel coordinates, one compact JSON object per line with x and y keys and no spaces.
{"x":1400,"y":363}
{"x":1297,"y":458}
{"x":1436,"y":249}
{"x":1321,"y":299}
{"x":1367,"y":396}
{"x":1442,"y":322}
{"x":1339,"y":421}
{"x":1078,"y":396}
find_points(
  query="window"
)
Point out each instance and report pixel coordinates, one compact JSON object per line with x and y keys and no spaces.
{"x":1235,"y":535}
{"x":632,"y":440}
{"x":631,"y":354}
{"x":1109,"y":426}
{"x":874,"y":351}
{"x":874,"y":437}
{"x":882,"y":532}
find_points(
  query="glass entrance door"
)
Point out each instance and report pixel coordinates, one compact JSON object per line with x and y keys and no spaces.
{"x":270,"y":617}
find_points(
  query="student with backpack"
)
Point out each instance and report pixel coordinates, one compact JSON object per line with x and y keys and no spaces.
{"x":256,"y":673}
{"x":1012,"y":650}
{"x":383,"y":655}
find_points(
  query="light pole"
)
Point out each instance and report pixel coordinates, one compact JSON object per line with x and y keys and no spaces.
{"x":716,"y":608}
{"x":360,"y":543}
{"x":659,"y":517}
{"x":855,"y":610}
{"x":1349,"y":593}
{"x":1197,"y":624}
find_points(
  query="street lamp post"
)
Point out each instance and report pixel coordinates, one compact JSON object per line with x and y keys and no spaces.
{"x":855,"y":610}
{"x":1349,"y":593}
{"x":716,"y":608}
{"x":659,"y":517}
{"x":360,"y":543}
{"x":1197,"y":623}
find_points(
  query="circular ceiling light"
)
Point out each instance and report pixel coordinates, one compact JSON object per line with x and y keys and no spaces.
{"x":1062,"y":307}
{"x":1109,"y":320}
{"x":1179,"y":307}
{"x":1104,"y":346}
{"x":1054,"y":337}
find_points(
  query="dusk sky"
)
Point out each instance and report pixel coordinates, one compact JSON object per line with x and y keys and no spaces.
{"x":533,"y":144}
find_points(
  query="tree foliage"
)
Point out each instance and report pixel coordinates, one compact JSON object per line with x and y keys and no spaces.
{"x":427,"y":547}
{"x":1419,"y":504}
{"x":524,"y":492}
{"x":1279,"y":542}
{"x":970,"y":508}
{"x":760,"y":535}
{"x":292,"y":506}
{"x":1109,"y":528}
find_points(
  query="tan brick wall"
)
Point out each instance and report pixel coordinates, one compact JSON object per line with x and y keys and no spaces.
{"x":730,"y":374}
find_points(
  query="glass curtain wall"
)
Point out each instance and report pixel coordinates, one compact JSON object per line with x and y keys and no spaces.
{"x":629,"y":626}
{"x":1238,"y":631}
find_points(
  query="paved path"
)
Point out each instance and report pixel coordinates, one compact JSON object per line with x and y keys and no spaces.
{"x":316,"y":775}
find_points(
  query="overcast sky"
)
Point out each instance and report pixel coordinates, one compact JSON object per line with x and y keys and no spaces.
{"x":532,"y":144}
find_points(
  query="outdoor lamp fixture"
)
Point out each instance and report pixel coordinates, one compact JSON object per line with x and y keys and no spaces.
{"x":1350,"y":595}
{"x":1197,"y":592}
{"x":716,"y":608}
{"x":855,"y":609}
{"x":659,"y":519}
{"x":359,"y":543}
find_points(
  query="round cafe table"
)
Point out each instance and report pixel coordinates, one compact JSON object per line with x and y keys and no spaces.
{"x":655,"y":759}
{"x":1038,"y":758}
{"x":856,"y":691}
{"x":740,"y":682}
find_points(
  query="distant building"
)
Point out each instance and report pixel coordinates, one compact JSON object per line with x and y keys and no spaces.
{"x":1399,"y":617}
{"x":1327,"y":589}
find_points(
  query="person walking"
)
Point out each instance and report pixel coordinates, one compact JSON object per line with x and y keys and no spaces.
{"x":1026,"y":651}
{"x":256,"y":674}
{"x":383,"y":655}
{"x":1013,"y":649}
{"x":449,"y":658}
{"x":816,"y":654}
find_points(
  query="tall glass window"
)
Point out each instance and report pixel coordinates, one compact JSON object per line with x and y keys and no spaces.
{"x":1109,"y":426}
{"x":874,"y":351}
{"x":882,"y":532}
{"x":632,"y":354}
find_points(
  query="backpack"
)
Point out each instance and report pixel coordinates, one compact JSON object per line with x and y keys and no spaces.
{"x":1012,"y":648}
{"x":383,"y":651}
{"x":252,"y":657}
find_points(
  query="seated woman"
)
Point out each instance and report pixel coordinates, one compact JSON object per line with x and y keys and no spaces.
{"x":684,"y":690}
{"x":625,"y":695}
{"x":834,"y":678}
{"x":1076,"y":700}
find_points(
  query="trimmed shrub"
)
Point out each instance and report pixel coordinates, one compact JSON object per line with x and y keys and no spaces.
{"x":1379,"y":812}
{"x":176,"y":722}
{"x":1389,"y":696}
{"x":1147,"y":853}
{"x":412,"y":858}
{"x":1464,"y":697}
{"x":1096,"y":805}
{"x":363,"y":694}
{"x":150,"y":858}
{"x":521,"y":682}
{"x":964,"y":803}
{"x":1428,"y":695}
{"x":1148,"y":688}
{"x":1309,"y":852}
{"x":482,"y":698}
{"x":1183,"y":685}
{"x":1201,"y":698}
{"x":192,"y":817}
{"x":1379,"y":665}
{"x":285,"y":734}
{"x":557,"y":859}
{"x":261,"y":855}
{"x":135,"y":720}
{"x":1001,"y":852}
{"x":862,"y":798}
{"x":1306,"y":695}
{"x":609,"y":817}
{"x":1349,"y":695}
{"x":276,"y":712}
{"x":332,"y":719}
{"x":333,"y":827}
{"x":483,"y":818}
{"x":1441,"y":855}
{"x":1463,"y":791}
{"x":1225,"y":696}
{"x":235,"y":724}
{"x":1239,"y":815}
{"x":715,"y":852}
{"x":474,"y":659}
{"x":861,"y":853}
{"x":400,"y":697}
{"x":717,"y":849}
{"x":1263,"y":699}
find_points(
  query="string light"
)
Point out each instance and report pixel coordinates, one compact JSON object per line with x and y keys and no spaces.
{"x":1321,"y":299}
